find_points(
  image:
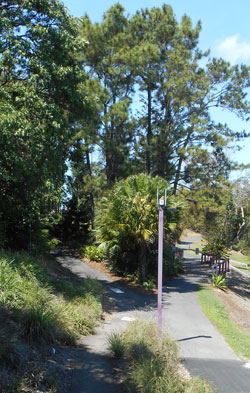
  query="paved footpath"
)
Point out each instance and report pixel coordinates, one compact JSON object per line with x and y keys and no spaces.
{"x":94,"y":369}
{"x":203,"y":350}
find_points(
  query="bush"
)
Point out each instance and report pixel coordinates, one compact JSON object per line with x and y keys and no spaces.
{"x":152,"y":364}
{"x":93,"y":253}
{"x":127,"y":223}
{"x":220,"y":281}
{"x":173,"y":267}
{"x":244,"y":244}
{"x":216,"y":246}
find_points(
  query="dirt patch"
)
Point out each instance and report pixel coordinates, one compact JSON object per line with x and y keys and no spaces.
{"x":129,"y":283}
{"x":187,"y":233}
{"x":237,"y":309}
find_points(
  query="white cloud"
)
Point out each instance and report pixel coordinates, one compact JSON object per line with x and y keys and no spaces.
{"x":234,"y":50}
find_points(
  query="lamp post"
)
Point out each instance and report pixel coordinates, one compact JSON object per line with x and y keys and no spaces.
{"x":161,"y":203}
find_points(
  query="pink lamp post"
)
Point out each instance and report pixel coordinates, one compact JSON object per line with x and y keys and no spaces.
{"x":161,"y":203}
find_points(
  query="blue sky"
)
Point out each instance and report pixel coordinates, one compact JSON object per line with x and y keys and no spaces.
{"x":225,"y":31}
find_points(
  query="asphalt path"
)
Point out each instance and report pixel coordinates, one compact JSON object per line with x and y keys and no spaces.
{"x":202,"y":349}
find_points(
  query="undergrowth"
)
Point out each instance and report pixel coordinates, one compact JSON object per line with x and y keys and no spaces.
{"x":152,"y":365}
{"x":37,"y":308}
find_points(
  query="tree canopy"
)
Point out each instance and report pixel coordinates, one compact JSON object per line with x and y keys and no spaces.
{"x":41,"y":98}
{"x":127,"y":95}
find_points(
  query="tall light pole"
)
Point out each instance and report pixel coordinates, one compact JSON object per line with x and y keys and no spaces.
{"x":161,"y":203}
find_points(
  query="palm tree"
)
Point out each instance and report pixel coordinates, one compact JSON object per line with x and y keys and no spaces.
{"x":127,"y":221}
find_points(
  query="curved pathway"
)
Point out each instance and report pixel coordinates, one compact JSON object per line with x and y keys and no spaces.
{"x":203,"y":350}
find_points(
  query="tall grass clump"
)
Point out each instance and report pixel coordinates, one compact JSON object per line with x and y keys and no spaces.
{"x":47,"y":310}
{"x":153,"y":365}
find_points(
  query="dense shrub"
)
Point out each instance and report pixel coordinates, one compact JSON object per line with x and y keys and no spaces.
{"x":93,"y":253}
{"x":127,"y":223}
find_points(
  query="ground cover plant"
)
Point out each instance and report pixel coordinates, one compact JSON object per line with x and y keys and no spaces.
{"x":152,"y":365}
{"x":238,"y":339}
{"x":39,"y":311}
{"x":220,"y":281}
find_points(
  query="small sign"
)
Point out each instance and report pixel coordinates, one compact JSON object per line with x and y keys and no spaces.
{"x":162,"y":201}
{"x":117,"y":290}
{"x":128,"y":319}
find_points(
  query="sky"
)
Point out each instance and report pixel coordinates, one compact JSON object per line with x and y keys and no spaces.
{"x":225,"y":31}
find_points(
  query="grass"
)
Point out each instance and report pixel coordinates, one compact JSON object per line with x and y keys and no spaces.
{"x":239,"y":257}
{"x":117,"y":344}
{"x":47,"y":310}
{"x":36,"y":308}
{"x":199,"y":243}
{"x":246,"y":269}
{"x":152,"y":365}
{"x":237,"y":339}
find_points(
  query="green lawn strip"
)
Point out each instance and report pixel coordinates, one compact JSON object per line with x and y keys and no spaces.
{"x":238,"y":339}
{"x":233,"y":255}
{"x":239,"y":257}
{"x":199,"y":243}
{"x":245,"y":268}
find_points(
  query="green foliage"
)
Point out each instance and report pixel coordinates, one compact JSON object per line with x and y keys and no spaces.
{"x":107,"y":61}
{"x":152,"y":364}
{"x":216,"y":246}
{"x":244,"y":244}
{"x":40,"y":100}
{"x":172,"y":267}
{"x":215,"y":311}
{"x":117,"y":344}
{"x":150,"y":283}
{"x":220,"y":281}
{"x":41,"y":241}
{"x":93,"y":253}
{"x":127,"y":222}
{"x":179,"y":266}
{"x":47,"y":310}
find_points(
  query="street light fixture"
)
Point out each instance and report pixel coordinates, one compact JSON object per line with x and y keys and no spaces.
{"x":161,"y":203}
